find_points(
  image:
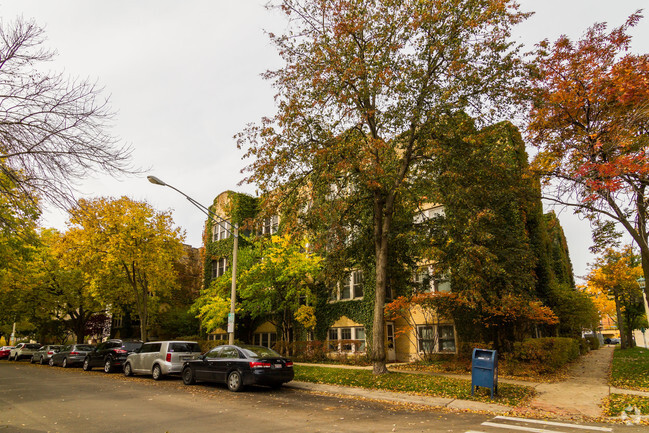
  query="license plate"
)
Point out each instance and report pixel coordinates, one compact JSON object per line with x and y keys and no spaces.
{"x":278,"y":365}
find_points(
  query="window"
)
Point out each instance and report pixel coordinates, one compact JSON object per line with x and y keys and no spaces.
{"x":221,"y":230}
{"x":151,"y":348}
{"x":425,"y":339}
{"x":229,"y":352}
{"x":218,"y":337}
{"x":435,"y":338}
{"x":347,"y":339}
{"x":270,"y":225}
{"x":429,"y":214}
{"x":425,"y":281}
{"x":218,"y":267}
{"x":446,"y":338}
{"x":350,"y":288}
{"x":265,"y":339}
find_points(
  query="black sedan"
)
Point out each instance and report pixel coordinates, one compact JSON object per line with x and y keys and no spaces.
{"x":239,"y":366}
{"x":70,"y":355}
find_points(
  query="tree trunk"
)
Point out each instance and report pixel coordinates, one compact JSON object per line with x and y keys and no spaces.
{"x":620,"y":321}
{"x":382,"y":220}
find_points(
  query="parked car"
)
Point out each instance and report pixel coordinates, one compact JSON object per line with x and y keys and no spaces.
{"x":160,"y":358}
{"x":5,"y":351}
{"x":73,"y":354}
{"x":23,"y":350}
{"x":110,"y":354}
{"x":239,"y":366}
{"x":612,"y":341}
{"x":44,"y":353}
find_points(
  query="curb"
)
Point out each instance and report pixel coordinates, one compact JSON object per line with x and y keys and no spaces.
{"x":399,"y":397}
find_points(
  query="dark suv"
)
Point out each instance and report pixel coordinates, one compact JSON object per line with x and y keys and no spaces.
{"x":110,"y":354}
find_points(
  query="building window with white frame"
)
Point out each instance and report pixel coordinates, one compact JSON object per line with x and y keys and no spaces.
{"x":219,"y":266}
{"x":426,"y":282}
{"x":220,"y":231}
{"x":347,"y":339}
{"x":350,"y":288}
{"x":435,"y":339}
{"x":270,"y":225}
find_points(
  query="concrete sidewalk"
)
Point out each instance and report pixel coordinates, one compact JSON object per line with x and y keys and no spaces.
{"x":580,"y":395}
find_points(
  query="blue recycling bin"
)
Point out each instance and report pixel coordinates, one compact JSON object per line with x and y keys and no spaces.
{"x":484,"y":370}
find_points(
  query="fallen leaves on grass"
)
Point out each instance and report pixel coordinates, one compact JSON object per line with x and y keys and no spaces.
{"x":434,"y":386}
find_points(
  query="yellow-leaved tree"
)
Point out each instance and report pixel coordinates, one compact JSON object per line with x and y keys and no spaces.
{"x":134,"y":248}
{"x":614,"y":276}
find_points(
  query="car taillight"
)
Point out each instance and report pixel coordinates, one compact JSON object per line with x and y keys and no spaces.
{"x":121,"y":351}
{"x":289,"y":363}
{"x":168,"y":357}
{"x":74,"y":353}
{"x":51,"y":352}
{"x":259,"y":364}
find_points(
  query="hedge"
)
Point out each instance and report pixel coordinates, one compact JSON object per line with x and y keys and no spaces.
{"x":548,"y":354}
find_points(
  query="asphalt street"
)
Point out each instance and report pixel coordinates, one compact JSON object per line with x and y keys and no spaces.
{"x":36,"y":398}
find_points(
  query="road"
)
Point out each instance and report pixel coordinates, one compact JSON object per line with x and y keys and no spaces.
{"x":36,"y":398}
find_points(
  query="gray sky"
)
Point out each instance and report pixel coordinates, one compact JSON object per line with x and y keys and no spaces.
{"x":184,"y":78}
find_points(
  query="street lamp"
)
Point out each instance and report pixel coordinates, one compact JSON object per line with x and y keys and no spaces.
{"x":235,"y":234}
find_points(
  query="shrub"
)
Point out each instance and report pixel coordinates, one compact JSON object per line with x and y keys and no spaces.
{"x":593,"y":342}
{"x":584,"y":346}
{"x":546,"y":355}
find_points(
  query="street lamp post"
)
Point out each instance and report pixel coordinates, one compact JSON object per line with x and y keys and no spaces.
{"x":235,"y":234}
{"x":642,"y":284}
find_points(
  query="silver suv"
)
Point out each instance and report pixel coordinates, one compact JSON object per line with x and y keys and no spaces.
{"x":23,"y":350}
{"x":159,"y":358}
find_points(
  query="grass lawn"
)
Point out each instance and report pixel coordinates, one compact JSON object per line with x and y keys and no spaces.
{"x":631,"y":369}
{"x":616,"y":403}
{"x":434,"y":386}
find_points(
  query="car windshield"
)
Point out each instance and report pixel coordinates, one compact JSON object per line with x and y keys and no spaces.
{"x":131,"y":346}
{"x":184,"y":347}
{"x":259,"y":352}
{"x":86,"y":347}
{"x":32,"y":346}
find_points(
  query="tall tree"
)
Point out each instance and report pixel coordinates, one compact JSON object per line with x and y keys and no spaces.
{"x":361,"y":83}
{"x":67,"y":277}
{"x":135,"y":247}
{"x":590,"y":121}
{"x":54,"y":128}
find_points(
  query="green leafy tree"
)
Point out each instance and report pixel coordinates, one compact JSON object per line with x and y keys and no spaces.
{"x":361,"y":84}
{"x":483,"y":238}
{"x":134,"y":248}
{"x":280,"y":282}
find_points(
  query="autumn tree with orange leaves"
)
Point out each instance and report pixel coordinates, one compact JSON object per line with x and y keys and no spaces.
{"x":362,"y":86}
{"x":590,"y":121}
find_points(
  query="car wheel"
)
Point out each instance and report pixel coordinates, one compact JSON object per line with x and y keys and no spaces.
{"x":51,"y":363}
{"x":127,"y":369}
{"x":65,"y":363}
{"x":235,"y":384}
{"x":31,"y":360}
{"x":108,"y":365}
{"x":157,"y":372}
{"x":86,"y":365}
{"x":40,"y":361}
{"x":188,"y":376}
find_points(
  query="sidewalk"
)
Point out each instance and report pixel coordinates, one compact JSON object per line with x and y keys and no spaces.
{"x":579,"y":395}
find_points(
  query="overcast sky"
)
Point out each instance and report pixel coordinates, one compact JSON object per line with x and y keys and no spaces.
{"x":184,"y":78}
